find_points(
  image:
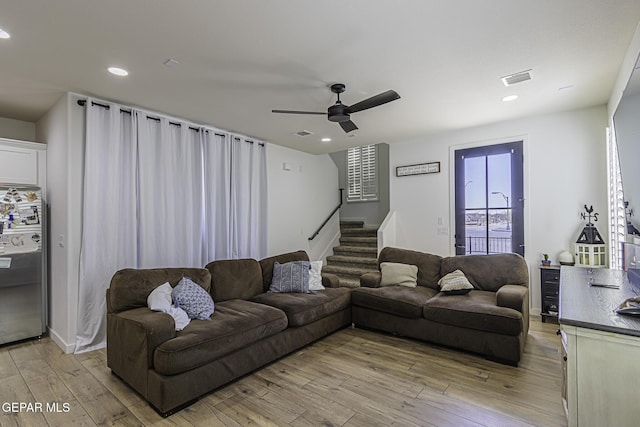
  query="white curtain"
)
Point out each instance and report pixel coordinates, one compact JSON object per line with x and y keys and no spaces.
{"x":248,"y":187}
{"x":170,"y":199}
{"x":108,"y":217}
{"x":160,"y":192}
{"x":217,"y":175}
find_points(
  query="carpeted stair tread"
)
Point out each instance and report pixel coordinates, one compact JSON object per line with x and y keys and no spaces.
{"x":353,"y":261}
{"x":359,"y":241}
{"x":356,"y":251}
{"x":347,"y":271}
{"x":359,"y":232}
{"x":351,"y":224}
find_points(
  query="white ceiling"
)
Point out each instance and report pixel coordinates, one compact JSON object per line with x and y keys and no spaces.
{"x":238,"y":59}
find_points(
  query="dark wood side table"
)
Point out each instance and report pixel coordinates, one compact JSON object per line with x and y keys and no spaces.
{"x":549,"y":292}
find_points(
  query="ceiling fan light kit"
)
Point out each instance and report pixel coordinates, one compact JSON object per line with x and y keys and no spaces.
{"x":341,"y":114}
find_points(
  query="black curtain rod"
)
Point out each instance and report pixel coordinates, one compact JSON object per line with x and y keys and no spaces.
{"x":83,"y":102}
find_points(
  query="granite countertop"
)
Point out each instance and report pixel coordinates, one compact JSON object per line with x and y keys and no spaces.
{"x":585,"y":304}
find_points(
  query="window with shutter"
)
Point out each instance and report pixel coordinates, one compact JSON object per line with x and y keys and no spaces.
{"x":617,"y":219}
{"x":362,"y":173}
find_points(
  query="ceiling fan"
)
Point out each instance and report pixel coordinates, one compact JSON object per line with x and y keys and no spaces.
{"x":340,"y":113}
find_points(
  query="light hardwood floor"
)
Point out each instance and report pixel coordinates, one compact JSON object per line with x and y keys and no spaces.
{"x":351,"y":378}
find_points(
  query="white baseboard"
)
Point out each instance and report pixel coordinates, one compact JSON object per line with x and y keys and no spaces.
{"x":67,"y":348}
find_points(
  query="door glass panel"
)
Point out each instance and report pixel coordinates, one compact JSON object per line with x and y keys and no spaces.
{"x":475,"y":185}
{"x":489,"y":201}
{"x":475,"y":231}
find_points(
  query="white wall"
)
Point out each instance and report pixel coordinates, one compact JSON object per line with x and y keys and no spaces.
{"x":62,"y":129}
{"x":299,"y":200}
{"x":17,"y":129}
{"x":565,"y":168}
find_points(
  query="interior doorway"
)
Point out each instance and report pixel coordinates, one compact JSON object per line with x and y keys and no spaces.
{"x":489,"y":199}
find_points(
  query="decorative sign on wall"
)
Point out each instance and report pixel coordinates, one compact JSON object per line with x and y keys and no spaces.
{"x":422,"y":168}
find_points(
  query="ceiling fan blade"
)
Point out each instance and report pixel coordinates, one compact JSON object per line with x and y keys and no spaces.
{"x":324,"y":113}
{"x":374,"y":101}
{"x":348,"y":126}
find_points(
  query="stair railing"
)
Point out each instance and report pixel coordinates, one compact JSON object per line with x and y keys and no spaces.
{"x":329,"y":217}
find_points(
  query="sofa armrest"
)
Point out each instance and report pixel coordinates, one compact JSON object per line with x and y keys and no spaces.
{"x":515,"y":297}
{"x":371,"y":280}
{"x":132,"y":337}
{"x":330,"y":280}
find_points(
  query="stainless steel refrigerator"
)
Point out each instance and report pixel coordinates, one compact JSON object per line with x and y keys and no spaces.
{"x":23,"y":293}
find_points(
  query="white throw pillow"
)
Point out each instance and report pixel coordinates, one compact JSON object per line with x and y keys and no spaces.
{"x":455,"y":283}
{"x":315,"y":276}
{"x":160,"y":300}
{"x":395,"y":273}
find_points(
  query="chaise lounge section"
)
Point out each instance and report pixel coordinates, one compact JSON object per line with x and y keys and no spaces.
{"x":492,"y":319}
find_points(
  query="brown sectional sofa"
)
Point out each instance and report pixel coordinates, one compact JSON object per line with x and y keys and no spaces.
{"x":492,"y":319}
{"x":248,"y":329}
{"x":251,"y":327}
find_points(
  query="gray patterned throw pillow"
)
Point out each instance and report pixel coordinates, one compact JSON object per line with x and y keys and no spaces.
{"x":290,"y":277}
{"x":193,"y":299}
{"x":455,"y":283}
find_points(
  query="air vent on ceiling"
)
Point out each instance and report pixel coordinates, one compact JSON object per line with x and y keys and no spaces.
{"x":304,"y":133}
{"x":520,"y":77}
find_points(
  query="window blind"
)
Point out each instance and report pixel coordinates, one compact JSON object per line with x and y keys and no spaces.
{"x":617,"y":219}
{"x":362,"y":173}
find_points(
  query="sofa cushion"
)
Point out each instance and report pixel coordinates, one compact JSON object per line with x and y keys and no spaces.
{"x":489,"y":272}
{"x":235,"y":324}
{"x":290,"y":277}
{"x":160,"y":300}
{"x":130,"y":287}
{"x":428,"y":264}
{"x":194,"y":300}
{"x":399,"y":300}
{"x":266,"y":265}
{"x":235,"y":279}
{"x":302,"y":309}
{"x":397,"y":273}
{"x":476,"y":310}
{"x":455,"y":283}
{"x":315,"y":276}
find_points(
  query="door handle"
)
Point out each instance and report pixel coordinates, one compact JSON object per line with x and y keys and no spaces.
{"x":460,"y":246}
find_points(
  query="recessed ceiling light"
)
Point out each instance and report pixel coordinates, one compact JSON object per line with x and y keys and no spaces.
{"x":303,"y":133}
{"x":326,"y":140}
{"x":170,"y":63}
{"x":510,"y":98}
{"x":4,"y":34}
{"x":118,"y":71}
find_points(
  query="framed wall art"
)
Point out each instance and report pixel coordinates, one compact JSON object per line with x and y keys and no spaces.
{"x":419,"y":169}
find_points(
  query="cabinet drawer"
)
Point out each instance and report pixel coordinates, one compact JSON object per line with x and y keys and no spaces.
{"x":551,"y":290}
{"x":550,"y":276}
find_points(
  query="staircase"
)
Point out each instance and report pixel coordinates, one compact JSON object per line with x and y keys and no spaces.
{"x":356,"y":255}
